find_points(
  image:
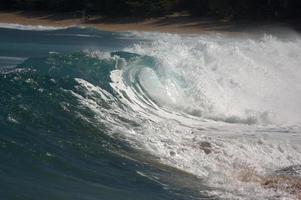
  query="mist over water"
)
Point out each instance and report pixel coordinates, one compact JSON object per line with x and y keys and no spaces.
{"x":223,"y":108}
{"x":231,"y":78}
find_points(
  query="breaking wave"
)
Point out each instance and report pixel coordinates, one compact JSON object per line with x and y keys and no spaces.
{"x":226,"y":110}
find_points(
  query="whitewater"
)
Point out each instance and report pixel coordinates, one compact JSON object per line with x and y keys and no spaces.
{"x":225,"y":109}
{"x":237,"y":98}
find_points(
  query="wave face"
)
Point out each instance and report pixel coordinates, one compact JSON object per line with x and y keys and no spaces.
{"x":163,"y":117}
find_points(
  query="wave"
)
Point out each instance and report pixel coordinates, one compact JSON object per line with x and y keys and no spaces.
{"x":226,"y":111}
{"x":244,"y":79}
{"x":31,"y":27}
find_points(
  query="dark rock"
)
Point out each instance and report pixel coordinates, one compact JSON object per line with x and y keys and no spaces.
{"x":206,"y":147}
{"x":172,"y":153}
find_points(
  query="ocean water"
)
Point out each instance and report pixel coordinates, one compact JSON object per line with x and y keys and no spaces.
{"x":87,"y":114}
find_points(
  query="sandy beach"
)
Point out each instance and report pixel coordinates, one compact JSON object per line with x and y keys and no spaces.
{"x":177,"y":23}
{"x":170,"y":24}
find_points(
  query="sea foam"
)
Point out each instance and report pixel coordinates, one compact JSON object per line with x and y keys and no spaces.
{"x":31,"y":27}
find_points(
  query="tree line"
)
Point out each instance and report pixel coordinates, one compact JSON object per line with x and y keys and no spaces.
{"x":217,"y":8}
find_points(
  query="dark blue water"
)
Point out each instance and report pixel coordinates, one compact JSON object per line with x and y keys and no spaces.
{"x":47,"y":149}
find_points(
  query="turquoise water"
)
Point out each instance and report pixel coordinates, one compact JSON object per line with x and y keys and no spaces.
{"x":87,"y":114}
{"x":47,"y":151}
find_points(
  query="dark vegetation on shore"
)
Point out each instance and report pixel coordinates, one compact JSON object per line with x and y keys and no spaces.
{"x":255,"y":9}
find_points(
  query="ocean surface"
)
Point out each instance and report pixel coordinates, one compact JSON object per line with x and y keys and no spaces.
{"x":93,"y":115}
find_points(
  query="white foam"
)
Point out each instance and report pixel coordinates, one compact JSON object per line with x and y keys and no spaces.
{"x":31,"y":27}
{"x":183,"y":107}
{"x":238,"y":80}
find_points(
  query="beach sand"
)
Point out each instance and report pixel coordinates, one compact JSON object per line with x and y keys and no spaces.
{"x":171,"y":24}
{"x":176,"y":23}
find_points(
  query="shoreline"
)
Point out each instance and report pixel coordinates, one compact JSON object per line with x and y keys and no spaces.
{"x":163,"y":24}
{"x":176,"y":23}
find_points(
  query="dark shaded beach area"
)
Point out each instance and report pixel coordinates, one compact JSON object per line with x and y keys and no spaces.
{"x":181,"y":23}
{"x":173,"y":16}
